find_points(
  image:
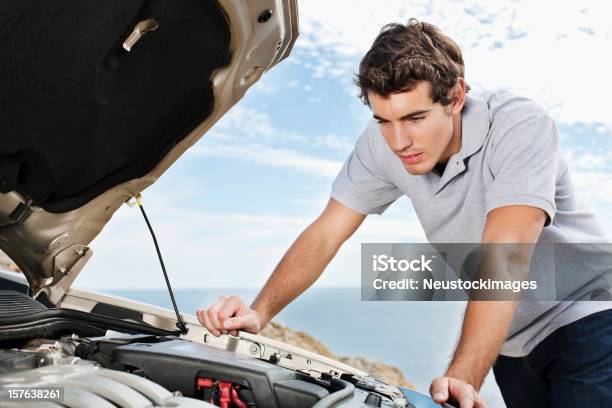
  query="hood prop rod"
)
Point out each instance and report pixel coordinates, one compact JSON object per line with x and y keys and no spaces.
{"x":180,"y":324}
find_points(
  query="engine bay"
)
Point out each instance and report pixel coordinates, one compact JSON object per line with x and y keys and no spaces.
{"x":148,"y":370}
{"x":100,"y":361}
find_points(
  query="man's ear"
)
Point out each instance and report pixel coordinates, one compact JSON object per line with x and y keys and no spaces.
{"x":458,"y":96}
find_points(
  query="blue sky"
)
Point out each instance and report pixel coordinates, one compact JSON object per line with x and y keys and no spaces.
{"x":229,"y":208}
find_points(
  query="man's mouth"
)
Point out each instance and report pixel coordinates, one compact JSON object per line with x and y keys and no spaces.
{"x":411,"y":158}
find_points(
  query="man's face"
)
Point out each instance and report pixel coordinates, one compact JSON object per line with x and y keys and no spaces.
{"x":417,"y":130}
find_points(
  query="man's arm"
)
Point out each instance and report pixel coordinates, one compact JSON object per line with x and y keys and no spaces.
{"x":307,"y":258}
{"x":301,"y":265}
{"x":486,"y":324}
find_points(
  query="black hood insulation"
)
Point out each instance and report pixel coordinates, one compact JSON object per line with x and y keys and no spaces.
{"x":22,"y":317}
{"x":78,"y":113}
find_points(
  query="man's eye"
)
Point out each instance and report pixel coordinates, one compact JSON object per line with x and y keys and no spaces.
{"x":417,"y":119}
{"x":382,"y":122}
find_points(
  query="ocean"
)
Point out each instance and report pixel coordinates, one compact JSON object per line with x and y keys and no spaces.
{"x":416,"y":337}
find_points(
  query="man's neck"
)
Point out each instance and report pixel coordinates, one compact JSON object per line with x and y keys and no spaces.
{"x":439,"y":168}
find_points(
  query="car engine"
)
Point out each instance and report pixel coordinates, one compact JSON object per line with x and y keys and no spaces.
{"x":99,"y":365}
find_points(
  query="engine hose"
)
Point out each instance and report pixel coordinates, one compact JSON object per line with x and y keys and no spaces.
{"x":346,"y":391}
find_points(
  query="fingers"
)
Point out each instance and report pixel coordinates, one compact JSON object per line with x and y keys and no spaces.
{"x":231,"y":306}
{"x":208,"y":317}
{"x":466,"y":402}
{"x":443,"y":389}
{"x":212,"y":314}
{"x":226,"y":309}
{"x":203,"y":318}
{"x":462,"y":392}
{"x":234,"y":323}
{"x":249,"y":322}
{"x":479,"y":402}
{"x":439,"y":389}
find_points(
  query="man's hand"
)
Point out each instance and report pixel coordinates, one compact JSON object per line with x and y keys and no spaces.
{"x":449,"y":389}
{"x":228,"y":315}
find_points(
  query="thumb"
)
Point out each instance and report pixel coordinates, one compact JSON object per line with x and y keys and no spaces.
{"x":246,"y":322}
{"x":439,"y":389}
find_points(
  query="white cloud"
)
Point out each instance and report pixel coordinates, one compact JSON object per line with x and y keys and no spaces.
{"x":262,"y":143}
{"x":200,"y":250}
{"x":594,"y":186}
{"x":560,"y":62}
{"x":343,"y":145}
{"x":243,"y":124}
{"x":583,"y":160}
{"x":269,"y":156}
{"x":250,"y":125}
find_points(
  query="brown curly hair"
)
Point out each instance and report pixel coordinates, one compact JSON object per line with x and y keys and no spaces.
{"x":404,"y":55}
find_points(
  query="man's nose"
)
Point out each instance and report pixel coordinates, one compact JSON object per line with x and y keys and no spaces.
{"x":400,"y":138}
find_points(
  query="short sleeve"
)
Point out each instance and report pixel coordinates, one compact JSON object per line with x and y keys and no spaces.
{"x":523,"y":163}
{"x":362,"y":185}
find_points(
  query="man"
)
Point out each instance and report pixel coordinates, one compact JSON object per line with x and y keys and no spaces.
{"x":477,"y":169}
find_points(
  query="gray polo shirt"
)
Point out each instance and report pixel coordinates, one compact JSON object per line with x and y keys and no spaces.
{"x":509,"y":156}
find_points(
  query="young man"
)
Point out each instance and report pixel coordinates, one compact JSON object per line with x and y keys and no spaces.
{"x":477,"y":169}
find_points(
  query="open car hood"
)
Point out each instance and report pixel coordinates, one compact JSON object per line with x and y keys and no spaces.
{"x":100,"y":97}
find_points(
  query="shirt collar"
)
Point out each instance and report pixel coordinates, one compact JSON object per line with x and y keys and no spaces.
{"x":474,"y":125}
{"x":474,"y":130}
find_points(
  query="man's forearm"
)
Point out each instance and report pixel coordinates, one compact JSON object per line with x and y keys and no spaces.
{"x":508,"y":238}
{"x":298,"y":269}
{"x":486,"y":323}
{"x":485,"y":327}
